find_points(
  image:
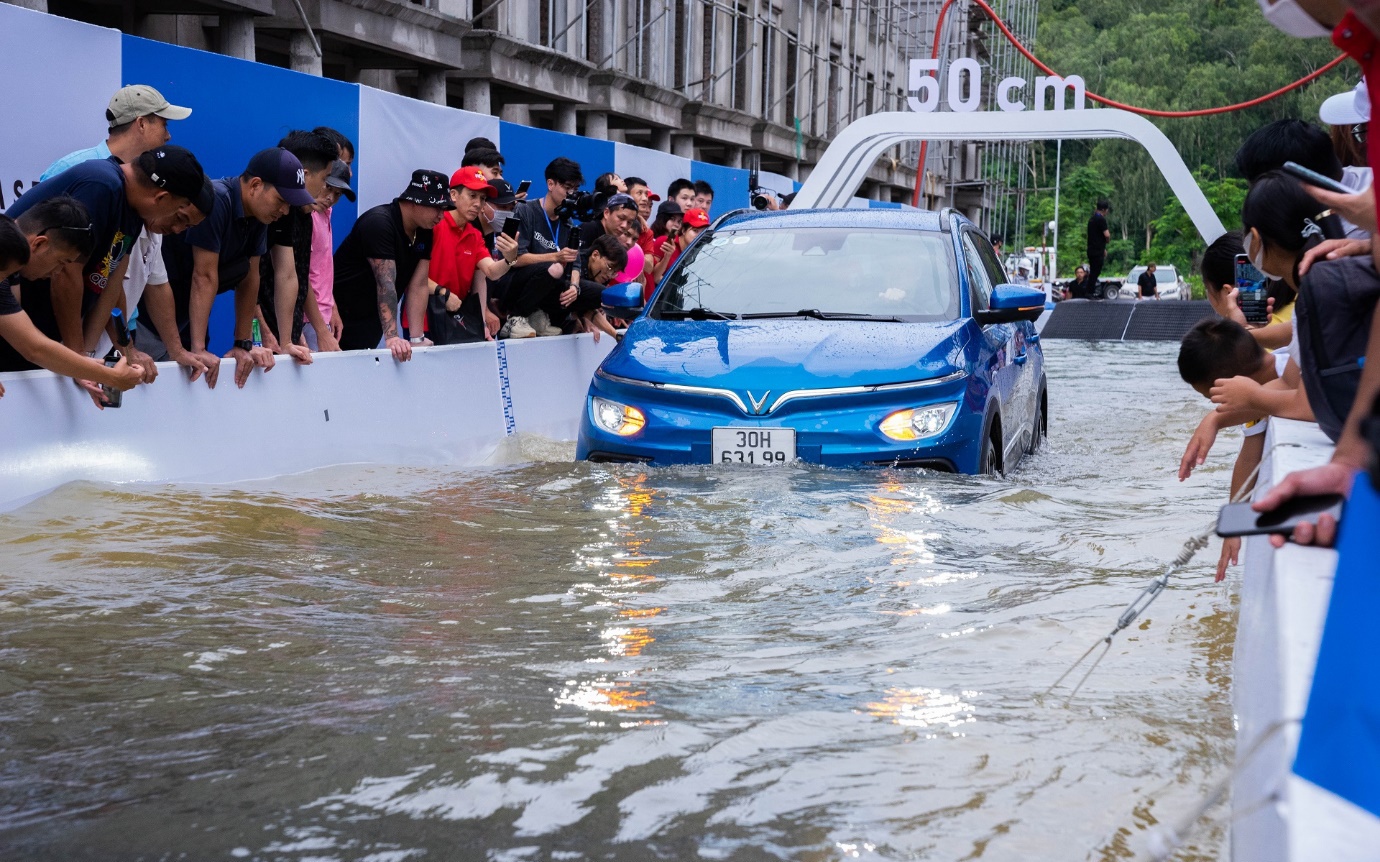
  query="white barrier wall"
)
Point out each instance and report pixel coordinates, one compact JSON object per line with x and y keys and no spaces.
{"x":1278,"y":816}
{"x":57,"y":105}
{"x":447,"y":406}
{"x":398,"y":135}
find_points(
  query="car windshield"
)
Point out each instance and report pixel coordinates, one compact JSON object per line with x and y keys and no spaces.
{"x":853,"y":272}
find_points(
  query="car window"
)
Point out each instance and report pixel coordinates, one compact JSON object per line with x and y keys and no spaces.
{"x":979,"y":280}
{"x":907,"y":274}
{"x":1165,"y":275}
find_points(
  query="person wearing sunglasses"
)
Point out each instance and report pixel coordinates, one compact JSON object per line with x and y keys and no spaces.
{"x":51,"y":235}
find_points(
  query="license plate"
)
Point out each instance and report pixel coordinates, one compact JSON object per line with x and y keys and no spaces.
{"x":755,"y":446}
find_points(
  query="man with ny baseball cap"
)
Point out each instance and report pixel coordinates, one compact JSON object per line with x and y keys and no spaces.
{"x":138,"y":119}
{"x":388,"y":254}
{"x":161,"y":186}
{"x":222,"y":253}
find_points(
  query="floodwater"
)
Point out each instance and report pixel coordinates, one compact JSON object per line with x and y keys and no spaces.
{"x":558,"y":661}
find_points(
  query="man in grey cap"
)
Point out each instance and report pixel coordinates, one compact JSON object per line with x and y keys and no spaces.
{"x":138,"y":118}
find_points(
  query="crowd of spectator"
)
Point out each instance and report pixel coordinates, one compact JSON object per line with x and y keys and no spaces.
{"x":112,"y":262}
{"x":1313,"y":354}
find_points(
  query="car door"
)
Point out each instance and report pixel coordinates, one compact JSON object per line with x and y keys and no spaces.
{"x":1025,"y":385}
{"x":995,"y":363}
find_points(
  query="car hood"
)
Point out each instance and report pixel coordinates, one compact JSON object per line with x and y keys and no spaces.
{"x":787,"y":354}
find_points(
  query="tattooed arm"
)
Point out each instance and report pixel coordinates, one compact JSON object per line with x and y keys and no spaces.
{"x":386,"y":282}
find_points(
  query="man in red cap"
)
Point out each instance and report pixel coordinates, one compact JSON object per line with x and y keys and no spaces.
{"x":461,"y":264}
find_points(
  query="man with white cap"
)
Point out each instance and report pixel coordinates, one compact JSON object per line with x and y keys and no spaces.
{"x":138,"y":118}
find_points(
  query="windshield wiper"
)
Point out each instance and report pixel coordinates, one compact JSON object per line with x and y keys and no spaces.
{"x":697,"y":313}
{"x":821,"y":315}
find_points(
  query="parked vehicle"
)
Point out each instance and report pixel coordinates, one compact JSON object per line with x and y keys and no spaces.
{"x":842,"y":337}
{"x":1168,"y":284}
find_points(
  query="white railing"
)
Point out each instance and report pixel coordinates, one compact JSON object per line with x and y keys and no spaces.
{"x":1277,"y":816}
{"x":447,"y":406}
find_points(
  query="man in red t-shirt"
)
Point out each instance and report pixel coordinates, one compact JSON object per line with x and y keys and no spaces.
{"x":460,"y":259}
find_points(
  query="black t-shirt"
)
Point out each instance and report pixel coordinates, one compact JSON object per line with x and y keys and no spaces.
{"x":377,"y":234}
{"x":1097,"y":235}
{"x":233,"y":235}
{"x":536,"y":233}
{"x":9,"y":303}
{"x":589,"y":232}
{"x":100,"y":185}
{"x":294,"y":231}
{"x":1147,"y":283}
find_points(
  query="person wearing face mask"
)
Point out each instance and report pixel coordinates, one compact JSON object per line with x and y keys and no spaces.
{"x":1279,"y":222}
{"x":47,"y":237}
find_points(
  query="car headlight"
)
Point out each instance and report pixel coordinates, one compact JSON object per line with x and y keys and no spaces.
{"x":917,"y":423}
{"x":617,"y":418}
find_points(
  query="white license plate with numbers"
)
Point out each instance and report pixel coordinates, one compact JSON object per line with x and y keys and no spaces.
{"x":755,"y":446}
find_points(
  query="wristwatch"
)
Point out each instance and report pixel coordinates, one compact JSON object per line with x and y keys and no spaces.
{"x":421,"y":339}
{"x":244,"y":344}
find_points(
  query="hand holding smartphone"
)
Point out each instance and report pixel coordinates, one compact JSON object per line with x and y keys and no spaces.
{"x":1250,"y":291}
{"x":1239,"y":519}
{"x":523,"y":187}
{"x":1313,"y":178}
{"x":510,"y":228}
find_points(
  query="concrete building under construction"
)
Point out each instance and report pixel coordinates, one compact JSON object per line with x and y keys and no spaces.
{"x":758,"y":84}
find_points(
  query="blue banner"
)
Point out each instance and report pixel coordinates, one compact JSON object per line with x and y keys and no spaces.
{"x":1339,"y":746}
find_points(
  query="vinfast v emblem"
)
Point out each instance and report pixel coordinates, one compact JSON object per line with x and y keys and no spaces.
{"x":758,"y":403}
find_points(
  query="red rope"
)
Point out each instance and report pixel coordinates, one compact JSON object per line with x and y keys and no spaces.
{"x":1103,"y":100}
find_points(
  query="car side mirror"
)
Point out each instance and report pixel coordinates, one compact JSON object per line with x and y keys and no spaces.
{"x":1012,"y":302}
{"x":624,"y":299}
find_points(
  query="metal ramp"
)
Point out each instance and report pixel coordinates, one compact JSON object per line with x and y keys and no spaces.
{"x":1124,"y":320}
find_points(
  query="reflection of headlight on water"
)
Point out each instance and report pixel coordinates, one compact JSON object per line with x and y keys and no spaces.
{"x":601,"y":695}
{"x":923,"y":707}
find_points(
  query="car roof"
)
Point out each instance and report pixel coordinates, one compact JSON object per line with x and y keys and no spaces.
{"x":872,"y":218}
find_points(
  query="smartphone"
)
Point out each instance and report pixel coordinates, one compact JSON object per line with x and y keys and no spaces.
{"x":1251,"y":293}
{"x":523,"y":187}
{"x":1313,"y":178}
{"x":510,"y":228}
{"x":1239,"y":519}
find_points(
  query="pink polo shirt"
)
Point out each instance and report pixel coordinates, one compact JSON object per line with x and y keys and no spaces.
{"x":323,"y":263}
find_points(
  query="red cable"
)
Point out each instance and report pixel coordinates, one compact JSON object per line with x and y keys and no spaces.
{"x":1149,"y":112}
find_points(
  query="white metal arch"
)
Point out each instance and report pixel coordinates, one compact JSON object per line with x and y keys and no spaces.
{"x":845,"y":164}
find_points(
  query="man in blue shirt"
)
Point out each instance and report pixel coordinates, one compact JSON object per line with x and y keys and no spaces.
{"x":222,"y":253}
{"x":138,"y":117}
{"x":162,"y":185}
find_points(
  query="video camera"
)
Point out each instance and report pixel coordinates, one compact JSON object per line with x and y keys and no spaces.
{"x":581,"y":207}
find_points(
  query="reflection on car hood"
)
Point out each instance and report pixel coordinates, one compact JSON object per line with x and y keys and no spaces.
{"x":787,"y":354}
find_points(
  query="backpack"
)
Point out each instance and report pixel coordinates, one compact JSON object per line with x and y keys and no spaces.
{"x":1333,"y":314}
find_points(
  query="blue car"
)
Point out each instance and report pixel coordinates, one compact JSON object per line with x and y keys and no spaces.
{"x":848,"y":338}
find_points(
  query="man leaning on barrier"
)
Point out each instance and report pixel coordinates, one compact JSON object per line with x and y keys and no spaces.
{"x":387,"y":257}
{"x":222,"y":254}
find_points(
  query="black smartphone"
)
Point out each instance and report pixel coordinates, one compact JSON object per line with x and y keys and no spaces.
{"x":523,"y":187}
{"x":510,"y":228}
{"x":1239,"y":519}
{"x":1313,"y":178}
{"x":1251,"y":292}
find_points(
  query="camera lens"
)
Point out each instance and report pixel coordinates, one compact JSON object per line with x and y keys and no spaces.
{"x":759,"y":202}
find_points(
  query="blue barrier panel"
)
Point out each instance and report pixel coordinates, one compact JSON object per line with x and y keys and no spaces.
{"x":730,"y":186}
{"x":233,"y":118}
{"x":527,"y":152}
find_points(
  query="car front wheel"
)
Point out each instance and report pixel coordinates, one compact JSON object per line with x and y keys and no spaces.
{"x":988,"y":465}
